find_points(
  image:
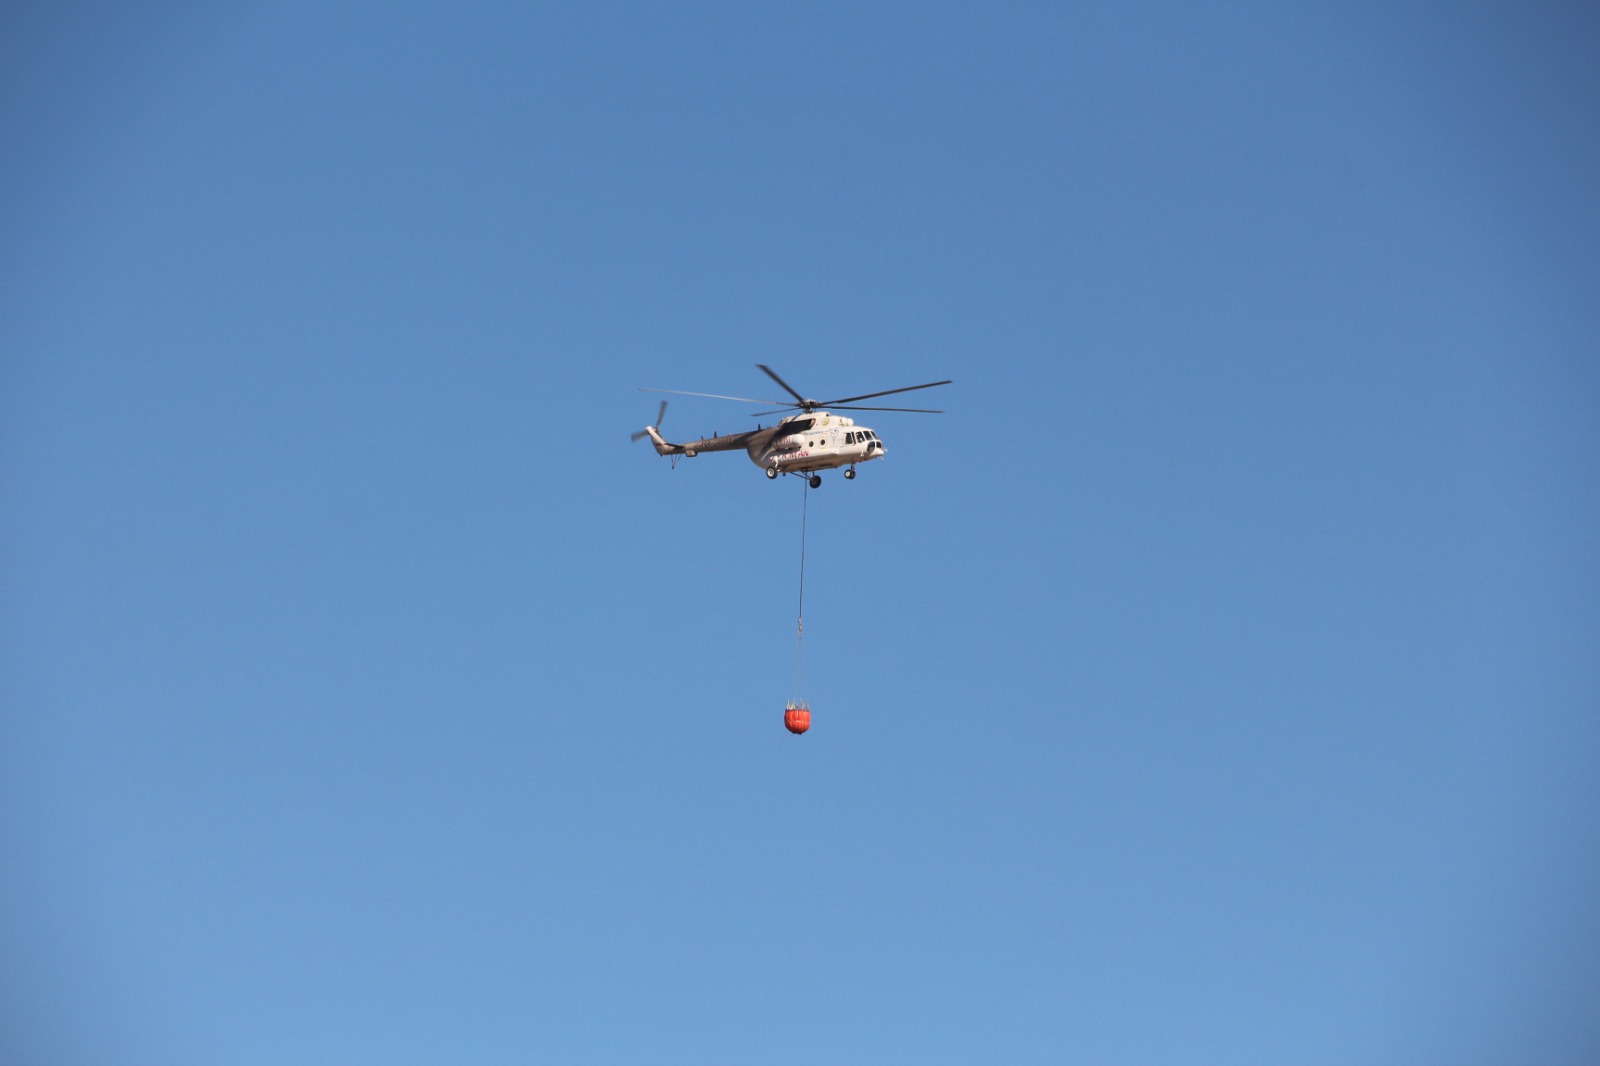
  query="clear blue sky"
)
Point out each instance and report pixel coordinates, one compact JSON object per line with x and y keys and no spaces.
{"x":1217,"y":682}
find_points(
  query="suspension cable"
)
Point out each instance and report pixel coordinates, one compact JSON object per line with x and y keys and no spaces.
{"x":800,"y":614}
{"x":805,"y":501}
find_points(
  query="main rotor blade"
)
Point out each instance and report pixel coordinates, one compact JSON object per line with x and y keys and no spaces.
{"x":767,"y":370}
{"x":870,"y":395}
{"x":714,"y":396}
{"x":908,"y":410}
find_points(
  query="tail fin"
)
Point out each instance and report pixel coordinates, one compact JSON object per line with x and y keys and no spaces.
{"x":662,"y":447}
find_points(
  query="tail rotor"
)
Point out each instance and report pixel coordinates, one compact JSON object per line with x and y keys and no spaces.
{"x":646,"y":432}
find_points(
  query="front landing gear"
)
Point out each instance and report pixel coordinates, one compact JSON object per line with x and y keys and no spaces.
{"x":816,"y":481}
{"x":850,"y":475}
{"x":772,"y":473}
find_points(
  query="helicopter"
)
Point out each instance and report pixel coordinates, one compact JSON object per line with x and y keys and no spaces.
{"x":805,"y":442}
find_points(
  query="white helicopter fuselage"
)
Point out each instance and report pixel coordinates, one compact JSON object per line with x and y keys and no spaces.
{"x":828,"y":442}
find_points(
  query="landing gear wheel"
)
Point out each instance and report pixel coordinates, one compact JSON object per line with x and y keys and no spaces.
{"x":816,"y":481}
{"x":772,"y":473}
{"x":850,"y":475}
